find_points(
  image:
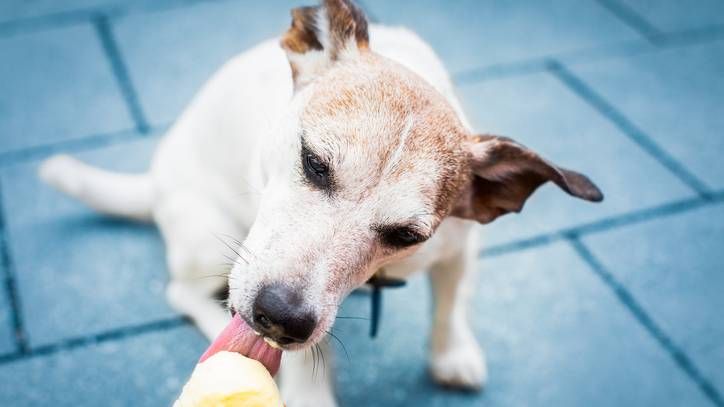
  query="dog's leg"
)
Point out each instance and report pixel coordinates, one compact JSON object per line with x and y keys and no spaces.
{"x":197,"y":237}
{"x":208,"y":315}
{"x":306,"y":378}
{"x":456,"y":359}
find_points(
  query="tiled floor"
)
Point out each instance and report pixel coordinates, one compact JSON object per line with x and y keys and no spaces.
{"x":614,"y":304}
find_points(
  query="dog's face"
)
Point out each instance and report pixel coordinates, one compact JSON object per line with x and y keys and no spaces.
{"x":368,"y":162}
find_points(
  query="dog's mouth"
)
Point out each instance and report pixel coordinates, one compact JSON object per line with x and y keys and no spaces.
{"x":239,"y":337}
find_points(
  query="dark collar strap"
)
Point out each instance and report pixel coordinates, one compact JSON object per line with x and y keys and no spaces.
{"x":378,"y":282}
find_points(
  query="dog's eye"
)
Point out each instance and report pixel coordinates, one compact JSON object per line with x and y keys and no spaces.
{"x":316,"y":165}
{"x":401,"y":237}
{"x":315,"y":170}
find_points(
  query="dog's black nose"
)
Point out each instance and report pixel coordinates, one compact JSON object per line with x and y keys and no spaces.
{"x":280,"y":314}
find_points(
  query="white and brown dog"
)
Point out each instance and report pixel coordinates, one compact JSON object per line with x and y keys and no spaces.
{"x":337,"y":150}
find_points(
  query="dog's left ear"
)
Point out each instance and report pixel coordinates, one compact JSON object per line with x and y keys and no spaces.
{"x":319,"y":36}
{"x":504,"y":174}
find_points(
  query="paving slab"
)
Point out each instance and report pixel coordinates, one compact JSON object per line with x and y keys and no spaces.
{"x":20,"y":9}
{"x":675,"y":97}
{"x":78,"y":272}
{"x":554,"y":334}
{"x":673,"y":266}
{"x":56,"y":85}
{"x":472,"y":34}
{"x":540,"y":112}
{"x":673,"y":15}
{"x":7,"y":337}
{"x":14,"y":10}
{"x":145,"y":370}
{"x":171,"y":54}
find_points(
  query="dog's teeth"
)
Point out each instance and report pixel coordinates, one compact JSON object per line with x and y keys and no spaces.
{"x":272,"y":343}
{"x":256,"y":333}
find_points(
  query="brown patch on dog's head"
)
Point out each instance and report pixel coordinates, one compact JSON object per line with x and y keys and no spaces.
{"x":346,"y":21}
{"x":301,"y":36}
{"x":319,"y":36}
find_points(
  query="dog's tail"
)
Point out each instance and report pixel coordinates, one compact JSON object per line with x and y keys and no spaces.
{"x":123,"y":195}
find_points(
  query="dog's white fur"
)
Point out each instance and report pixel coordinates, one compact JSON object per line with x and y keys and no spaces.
{"x":225,"y":169}
{"x":205,"y":184}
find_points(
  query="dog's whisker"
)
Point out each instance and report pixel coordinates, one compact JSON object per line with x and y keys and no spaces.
{"x":314,"y":361}
{"x":232,"y":261}
{"x":315,"y":371}
{"x":231,"y":248}
{"x":240,"y":245}
{"x":344,"y":348}
{"x":246,"y":249}
{"x":324,"y":362}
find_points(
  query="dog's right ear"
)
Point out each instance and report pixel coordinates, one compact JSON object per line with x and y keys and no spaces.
{"x":319,"y":36}
{"x":504,"y":174}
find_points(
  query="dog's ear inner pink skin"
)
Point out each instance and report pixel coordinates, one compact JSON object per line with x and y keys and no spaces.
{"x":504,"y":174}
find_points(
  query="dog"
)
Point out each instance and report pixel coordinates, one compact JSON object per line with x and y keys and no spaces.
{"x":335,"y":151}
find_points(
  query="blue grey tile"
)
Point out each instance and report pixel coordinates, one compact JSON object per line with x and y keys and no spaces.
{"x":56,"y":85}
{"x":671,"y":15}
{"x":145,"y":370}
{"x":18,"y":10}
{"x":172,"y":53}
{"x":554,"y":336}
{"x":543,"y":114}
{"x":675,"y":96}
{"x":673,"y":266}
{"x":7,"y":341}
{"x":470,"y":34}
{"x":78,"y":272}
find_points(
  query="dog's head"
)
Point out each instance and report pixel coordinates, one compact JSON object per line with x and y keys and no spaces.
{"x":368,"y":162}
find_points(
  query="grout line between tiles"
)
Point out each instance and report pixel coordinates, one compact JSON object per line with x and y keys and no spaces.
{"x":670,"y":40}
{"x":693,"y":36}
{"x":120,"y":70}
{"x":633,"y":19}
{"x":602,"y":225}
{"x":11,"y":288}
{"x":84,"y":15}
{"x":74,"y":145}
{"x":635,"y":134}
{"x":107,"y":336}
{"x":629,"y":301}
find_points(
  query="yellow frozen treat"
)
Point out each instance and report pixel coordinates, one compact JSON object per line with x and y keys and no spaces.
{"x":228,"y":379}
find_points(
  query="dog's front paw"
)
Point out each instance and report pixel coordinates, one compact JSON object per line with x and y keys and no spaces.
{"x":460,"y":367}
{"x":309,"y":398}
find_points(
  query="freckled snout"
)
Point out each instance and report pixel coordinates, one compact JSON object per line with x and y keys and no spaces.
{"x":280,"y":314}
